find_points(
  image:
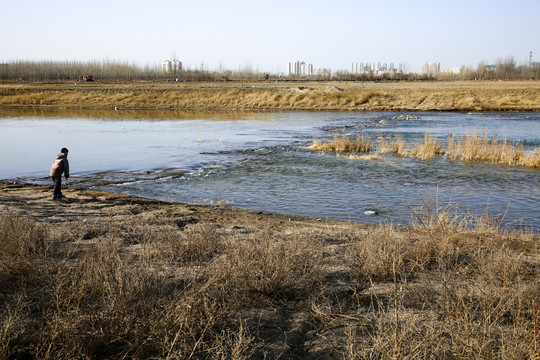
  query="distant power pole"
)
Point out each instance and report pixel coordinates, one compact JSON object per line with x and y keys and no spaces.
{"x":530,"y":59}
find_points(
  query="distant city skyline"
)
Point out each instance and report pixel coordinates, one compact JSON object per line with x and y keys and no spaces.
{"x":263,"y":36}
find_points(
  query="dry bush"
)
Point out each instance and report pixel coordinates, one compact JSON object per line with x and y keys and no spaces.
{"x":264,"y":264}
{"x":25,"y":249}
{"x":344,"y":144}
{"x":381,"y":253}
{"x":197,"y":244}
{"x":486,"y":311}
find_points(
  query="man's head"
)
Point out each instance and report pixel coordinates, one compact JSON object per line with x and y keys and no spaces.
{"x":64,"y":151}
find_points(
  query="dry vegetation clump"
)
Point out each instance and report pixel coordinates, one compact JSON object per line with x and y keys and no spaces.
{"x":395,"y":145}
{"x":466,"y":148}
{"x":344,"y":144}
{"x":163,"y":287}
{"x":264,"y":264}
{"x":474,"y":148}
{"x":428,"y":149}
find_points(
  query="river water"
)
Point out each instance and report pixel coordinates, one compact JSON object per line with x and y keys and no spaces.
{"x":261,"y":161}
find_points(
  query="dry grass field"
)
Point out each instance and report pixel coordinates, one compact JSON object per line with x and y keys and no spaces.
{"x":104,"y":275}
{"x":280,"y":95}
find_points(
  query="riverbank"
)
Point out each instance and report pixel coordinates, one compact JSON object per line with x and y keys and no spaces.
{"x":482,"y":96}
{"x":109,"y":275}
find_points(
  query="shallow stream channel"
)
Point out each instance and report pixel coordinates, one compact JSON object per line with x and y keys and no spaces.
{"x":262,"y":161}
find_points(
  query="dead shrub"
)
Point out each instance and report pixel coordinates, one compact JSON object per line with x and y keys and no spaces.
{"x":197,"y":244}
{"x":24,"y":250}
{"x":265,"y":264}
{"x":378,"y":255}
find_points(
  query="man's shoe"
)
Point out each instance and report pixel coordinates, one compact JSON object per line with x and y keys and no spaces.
{"x":60,"y":197}
{"x":54,"y":197}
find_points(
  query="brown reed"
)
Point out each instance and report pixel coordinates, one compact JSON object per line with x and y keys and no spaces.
{"x":473,"y":148}
{"x":344,"y":144}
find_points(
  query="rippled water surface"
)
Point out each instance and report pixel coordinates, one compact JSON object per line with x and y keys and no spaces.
{"x":261,"y":160}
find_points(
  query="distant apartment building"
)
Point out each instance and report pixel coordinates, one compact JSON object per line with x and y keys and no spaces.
{"x":451,"y":71}
{"x":376,"y":67}
{"x":299,"y":68}
{"x":431,"y":68}
{"x":168,"y":66}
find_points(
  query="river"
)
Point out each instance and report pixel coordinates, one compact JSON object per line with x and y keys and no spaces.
{"x":262,"y":161}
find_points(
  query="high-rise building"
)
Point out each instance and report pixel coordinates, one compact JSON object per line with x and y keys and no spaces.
{"x":176,"y":65}
{"x":431,"y":68}
{"x":298,"y":68}
{"x":166,"y":66}
{"x":359,"y":67}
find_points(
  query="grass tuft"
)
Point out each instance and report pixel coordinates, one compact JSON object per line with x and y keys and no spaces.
{"x":344,"y":144}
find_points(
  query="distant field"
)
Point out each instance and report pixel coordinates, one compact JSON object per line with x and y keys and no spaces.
{"x":281,"y":95}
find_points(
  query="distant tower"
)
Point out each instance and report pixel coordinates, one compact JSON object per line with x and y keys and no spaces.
{"x":530,"y":59}
{"x":176,"y":65}
{"x":166,"y":66}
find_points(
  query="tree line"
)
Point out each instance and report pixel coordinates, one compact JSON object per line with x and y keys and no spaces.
{"x":23,"y":70}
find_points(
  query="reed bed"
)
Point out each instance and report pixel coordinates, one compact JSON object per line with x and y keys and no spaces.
{"x":474,"y":148}
{"x":162,"y":287}
{"x":466,"y":149}
{"x":344,"y":144}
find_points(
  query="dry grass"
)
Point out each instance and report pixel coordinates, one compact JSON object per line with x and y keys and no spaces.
{"x":428,"y":149}
{"x":474,"y":148}
{"x":451,"y":286}
{"x":395,"y":145}
{"x":391,"y":96}
{"x":344,"y":144}
{"x":466,"y":148}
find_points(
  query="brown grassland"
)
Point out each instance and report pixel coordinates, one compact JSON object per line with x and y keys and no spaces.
{"x":104,"y":275}
{"x":279,"y":95}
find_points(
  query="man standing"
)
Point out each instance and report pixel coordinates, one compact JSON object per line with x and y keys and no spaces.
{"x":60,"y":165}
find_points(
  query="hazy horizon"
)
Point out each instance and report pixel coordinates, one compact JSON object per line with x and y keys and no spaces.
{"x":264,"y":36}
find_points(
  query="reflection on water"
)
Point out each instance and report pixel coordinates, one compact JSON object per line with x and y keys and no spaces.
{"x":261,"y":161}
{"x":123,"y":114}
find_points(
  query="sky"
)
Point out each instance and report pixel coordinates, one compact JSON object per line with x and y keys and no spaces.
{"x":264,"y":35}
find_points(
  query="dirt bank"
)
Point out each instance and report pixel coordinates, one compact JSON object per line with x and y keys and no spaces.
{"x":350,"y":96}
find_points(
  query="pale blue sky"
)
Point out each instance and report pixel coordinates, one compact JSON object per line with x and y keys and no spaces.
{"x":264,"y":35}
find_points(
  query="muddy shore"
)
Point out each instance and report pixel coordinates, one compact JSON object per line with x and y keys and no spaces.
{"x":34,"y":201}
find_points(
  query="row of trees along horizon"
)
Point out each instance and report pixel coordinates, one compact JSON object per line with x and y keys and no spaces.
{"x":23,"y":70}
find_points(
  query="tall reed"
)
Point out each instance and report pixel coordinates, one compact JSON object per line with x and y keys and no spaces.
{"x":344,"y":144}
{"x":473,"y":148}
{"x":425,"y":150}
